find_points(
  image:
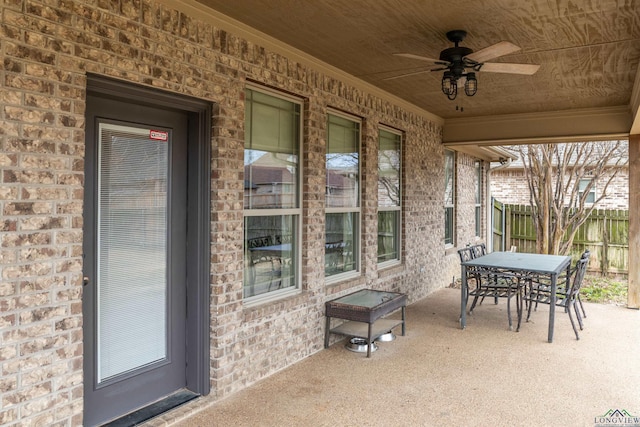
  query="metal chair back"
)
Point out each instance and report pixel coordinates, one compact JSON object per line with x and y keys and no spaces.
{"x":579,"y":272}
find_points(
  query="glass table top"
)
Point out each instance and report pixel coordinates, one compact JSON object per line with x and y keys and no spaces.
{"x":520,"y":261}
{"x":366,"y":298}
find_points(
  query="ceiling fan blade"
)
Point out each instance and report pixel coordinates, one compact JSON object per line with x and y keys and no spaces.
{"x":407,"y":75}
{"x":508,"y":68}
{"x":493,"y":51}
{"x":422,"y":58}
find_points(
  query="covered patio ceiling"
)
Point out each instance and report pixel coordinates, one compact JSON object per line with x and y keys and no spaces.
{"x":587,"y":86}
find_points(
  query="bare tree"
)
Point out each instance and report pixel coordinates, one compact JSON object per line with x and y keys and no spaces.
{"x":560,"y":179}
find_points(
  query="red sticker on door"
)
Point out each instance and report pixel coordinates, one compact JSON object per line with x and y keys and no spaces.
{"x":159,"y":135}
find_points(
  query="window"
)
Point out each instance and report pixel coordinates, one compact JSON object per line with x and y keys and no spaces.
{"x":478,"y":184}
{"x":342,"y":234}
{"x":449,"y":196}
{"x":271,"y":194}
{"x":583,"y":187}
{"x":389,"y":195}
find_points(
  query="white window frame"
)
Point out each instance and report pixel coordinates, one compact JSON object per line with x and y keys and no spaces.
{"x":398,"y":208}
{"x":591,"y":191}
{"x":357,"y":239}
{"x":450,"y":204}
{"x":295,"y":212}
{"x":478,"y":195}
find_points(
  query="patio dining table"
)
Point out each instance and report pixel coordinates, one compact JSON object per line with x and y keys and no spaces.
{"x":519,"y":264}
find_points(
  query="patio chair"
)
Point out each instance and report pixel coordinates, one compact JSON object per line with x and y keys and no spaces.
{"x":567,"y":296}
{"x":563,"y":277}
{"x":489,"y":282}
{"x":469,"y":253}
{"x":478,"y":251}
{"x":501,"y":284}
{"x":586,"y":254}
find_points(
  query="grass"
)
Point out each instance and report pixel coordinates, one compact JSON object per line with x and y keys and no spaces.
{"x":604,"y":290}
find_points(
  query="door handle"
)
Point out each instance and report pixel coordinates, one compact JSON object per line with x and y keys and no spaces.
{"x":85,"y":280}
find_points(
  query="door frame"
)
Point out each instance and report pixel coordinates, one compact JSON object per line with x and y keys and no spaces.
{"x":199,"y":113}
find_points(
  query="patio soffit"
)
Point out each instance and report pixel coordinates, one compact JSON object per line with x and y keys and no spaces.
{"x":588,"y":51}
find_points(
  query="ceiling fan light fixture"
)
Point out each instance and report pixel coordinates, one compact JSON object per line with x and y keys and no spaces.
{"x":458,"y":59}
{"x":452,"y":95}
{"x":471,"y":85}
{"x":449,"y":85}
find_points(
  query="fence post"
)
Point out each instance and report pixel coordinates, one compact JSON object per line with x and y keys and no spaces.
{"x":605,"y":245}
{"x":507,"y":227}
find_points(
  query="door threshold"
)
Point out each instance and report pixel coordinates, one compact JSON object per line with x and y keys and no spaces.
{"x":153,"y":410}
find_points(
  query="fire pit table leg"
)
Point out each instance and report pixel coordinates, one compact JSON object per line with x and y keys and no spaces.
{"x":326,"y":331}
{"x":369,"y":340}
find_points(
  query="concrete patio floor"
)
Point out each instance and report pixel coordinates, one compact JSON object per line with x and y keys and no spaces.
{"x":440,"y":375}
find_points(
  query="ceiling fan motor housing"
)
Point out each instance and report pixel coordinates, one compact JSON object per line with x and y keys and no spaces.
{"x":454,"y":56}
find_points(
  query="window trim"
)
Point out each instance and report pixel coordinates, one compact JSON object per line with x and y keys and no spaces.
{"x":452,"y":206}
{"x":478,"y":202}
{"x":592,"y":190}
{"x":297,"y":213}
{"x":400,"y":207}
{"x":357,"y":271}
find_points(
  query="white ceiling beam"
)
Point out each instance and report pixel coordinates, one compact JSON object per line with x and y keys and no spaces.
{"x":557,"y":126}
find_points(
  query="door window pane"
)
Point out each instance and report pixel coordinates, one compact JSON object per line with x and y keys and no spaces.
{"x":132,"y":250}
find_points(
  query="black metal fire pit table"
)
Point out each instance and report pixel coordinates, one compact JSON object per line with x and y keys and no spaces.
{"x":363,"y":310}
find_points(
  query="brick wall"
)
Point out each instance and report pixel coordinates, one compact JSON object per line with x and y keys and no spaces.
{"x":510,"y":186}
{"x":466,"y":206}
{"x":48,"y":47}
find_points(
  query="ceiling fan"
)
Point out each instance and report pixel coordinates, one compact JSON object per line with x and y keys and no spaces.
{"x":460,"y":62}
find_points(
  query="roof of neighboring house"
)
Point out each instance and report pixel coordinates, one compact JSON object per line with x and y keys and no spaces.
{"x":337,"y":180}
{"x":268,"y":170}
{"x":267,"y":175}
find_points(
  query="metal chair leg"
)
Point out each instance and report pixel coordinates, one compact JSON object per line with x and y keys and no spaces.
{"x":575,"y":307}
{"x":573,"y":324}
{"x":584,"y":313}
{"x":519,"y":308}
{"x":509,"y":309}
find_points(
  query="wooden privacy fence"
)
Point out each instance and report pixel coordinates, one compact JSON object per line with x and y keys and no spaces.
{"x":605,"y":233}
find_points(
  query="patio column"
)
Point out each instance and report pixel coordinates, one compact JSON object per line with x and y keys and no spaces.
{"x":633,"y":299}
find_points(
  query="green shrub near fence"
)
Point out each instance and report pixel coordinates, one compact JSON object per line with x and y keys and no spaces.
{"x":605,"y":233}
